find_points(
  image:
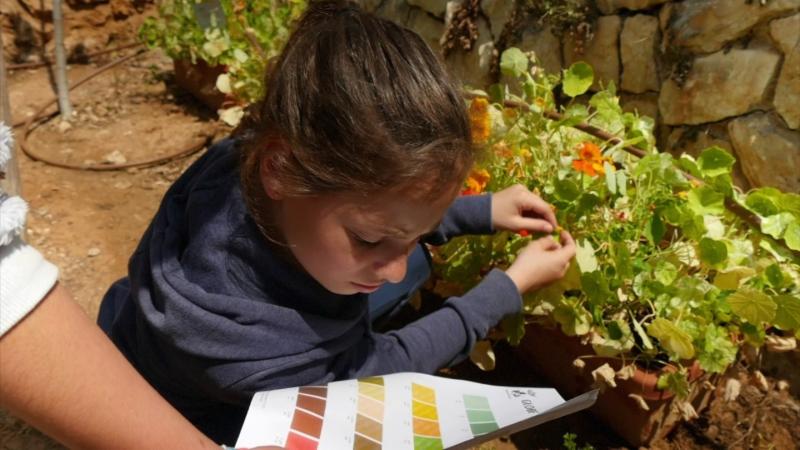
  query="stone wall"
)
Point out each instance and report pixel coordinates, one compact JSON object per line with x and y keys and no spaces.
{"x":711,"y":72}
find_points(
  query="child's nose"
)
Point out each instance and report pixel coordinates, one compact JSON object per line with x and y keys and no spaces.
{"x":394,"y":270}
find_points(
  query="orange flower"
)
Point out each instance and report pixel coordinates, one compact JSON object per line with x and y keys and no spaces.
{"x":587,"y":167}
{"x":476,"y":182}
{"x":502,"y":150}
{"x":590,"y":160}
{"x":589,"y":151}
{"x":479,"y":122}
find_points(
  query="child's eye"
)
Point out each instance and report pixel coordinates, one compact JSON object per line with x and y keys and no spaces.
{"x":364,"y":242}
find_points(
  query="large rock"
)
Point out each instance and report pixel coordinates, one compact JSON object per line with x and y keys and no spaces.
{"x":768,"y":152}
{"x":719,"y":85}
{"x":426,"y":26}
{"x":785,"y":32}
{"x":472,"y":67}
{"x":787,"y":91}
{"x":547,"y":48}
{"x":637,"y":50}
{"x":435,"y":7}
{"x":498,"y":12}
{"x":612,"y":6}
{"x":642,"y":104}
{"x":602,"y":52}
{"x":705,"y":26}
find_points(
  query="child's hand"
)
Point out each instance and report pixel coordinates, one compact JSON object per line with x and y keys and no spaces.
{"x":516,"y":208}
{"x":542,"y":262}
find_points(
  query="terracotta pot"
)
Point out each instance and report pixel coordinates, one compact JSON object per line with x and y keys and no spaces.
{"x":551,"y":353}
{"x":200,"y":80}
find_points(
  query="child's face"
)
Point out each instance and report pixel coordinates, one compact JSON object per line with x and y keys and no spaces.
{"x":352,"y":244}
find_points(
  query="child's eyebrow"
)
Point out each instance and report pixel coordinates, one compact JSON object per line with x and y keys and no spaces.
{"x":401,"y":233}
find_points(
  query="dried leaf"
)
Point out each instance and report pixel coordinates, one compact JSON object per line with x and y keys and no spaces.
{"x":760,"y":381}
{"x":603,"y":377}
{"x":780,"y":343}
{"x":482,"y":355}
{"x":626,"y":372}
{"x":732,"y":389}
{"x":686,"y":409}
{"x":639,"y":401}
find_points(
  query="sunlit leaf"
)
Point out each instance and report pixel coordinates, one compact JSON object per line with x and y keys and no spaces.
{"x":787,"y":315}
{"x":776,"y":225}
{"x":752,"y":305}
{"x":671,"y":337}
{"x":513,"y":62}
{"x":578,"y":79}
{"x":584,"y":254}
{"x":715,"y":161}
{"x":704,"y":200}
{"x":792,"y":236}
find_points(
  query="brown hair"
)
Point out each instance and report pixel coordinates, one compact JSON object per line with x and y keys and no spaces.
{"x":354,"y":103}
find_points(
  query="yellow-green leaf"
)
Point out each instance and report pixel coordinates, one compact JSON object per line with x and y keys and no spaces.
{"x":752,"y":305}
{"x":671,"y":337}
{"x":787,"y":316}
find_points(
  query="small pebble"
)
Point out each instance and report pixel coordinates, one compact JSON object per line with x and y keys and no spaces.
{"x":94,"y":251}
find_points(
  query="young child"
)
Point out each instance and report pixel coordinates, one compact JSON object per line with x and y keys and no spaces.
{"x":256,"y":270}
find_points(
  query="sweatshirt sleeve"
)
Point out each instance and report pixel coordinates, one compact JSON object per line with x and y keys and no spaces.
{"x":469,"y":214}
{"x":437,"y":340}
{"x":25,"y":278}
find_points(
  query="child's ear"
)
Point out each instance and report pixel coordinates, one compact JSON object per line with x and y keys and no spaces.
{"x":266,"y":171}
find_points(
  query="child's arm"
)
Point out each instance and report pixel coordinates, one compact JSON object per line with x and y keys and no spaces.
{"x":439,"y":339}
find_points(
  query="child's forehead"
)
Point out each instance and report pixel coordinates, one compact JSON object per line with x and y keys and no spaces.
{"x":397,"y":214}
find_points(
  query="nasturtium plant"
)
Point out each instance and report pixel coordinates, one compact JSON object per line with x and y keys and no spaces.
{"x":239,"y":35}
{"x":666,"y":274}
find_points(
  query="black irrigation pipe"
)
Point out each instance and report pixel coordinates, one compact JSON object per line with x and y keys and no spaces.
{"x":39,"y":116}
{"x":47,"y":62}
{"x":748,"y":217}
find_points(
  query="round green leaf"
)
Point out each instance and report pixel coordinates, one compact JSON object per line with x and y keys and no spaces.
{"x":567,"y":190}
{"x":513,"y":62}
{"x":672,"y":338}
{"x":792,"y":236}
{"x":578,"y":79}
{"x":761,"y":204}
{"x":752,"y":305}
{"x":712,"y":252}
{"x":704,"y":200}
{"x":787,"y":316}
{"x":715,"y":161}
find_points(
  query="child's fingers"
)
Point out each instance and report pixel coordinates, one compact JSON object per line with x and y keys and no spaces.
{"x":568,"y":247}
{"x":539,"y":207}
{"x":546,"y":243}
{"x":539,"y":225}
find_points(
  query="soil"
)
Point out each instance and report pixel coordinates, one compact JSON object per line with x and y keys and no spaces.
{"x":88,"y":223}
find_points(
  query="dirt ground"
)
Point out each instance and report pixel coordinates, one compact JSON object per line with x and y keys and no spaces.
{"x":88,"y":223}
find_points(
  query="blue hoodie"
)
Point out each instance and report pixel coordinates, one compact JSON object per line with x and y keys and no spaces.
{"x":210,"y":314}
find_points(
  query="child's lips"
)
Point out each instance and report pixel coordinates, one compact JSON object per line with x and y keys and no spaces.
{"x":366,"y":287}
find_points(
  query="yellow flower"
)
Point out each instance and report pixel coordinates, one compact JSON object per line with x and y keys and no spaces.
{"x":479,"y":122}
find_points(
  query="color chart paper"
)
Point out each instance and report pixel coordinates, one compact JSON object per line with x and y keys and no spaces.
{"x":403,"y":411}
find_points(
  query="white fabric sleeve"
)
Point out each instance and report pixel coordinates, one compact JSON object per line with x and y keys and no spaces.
{"x":25,"y":278}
